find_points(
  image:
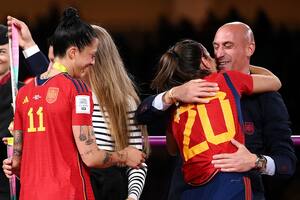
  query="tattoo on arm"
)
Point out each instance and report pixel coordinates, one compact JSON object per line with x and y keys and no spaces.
{"x":91,"y":138}
{"x":87,"y":135}
{"x":87,"y":152}
{"x":107,"y":158}
{"x":18,"y":142}
{"x":82,"y":135}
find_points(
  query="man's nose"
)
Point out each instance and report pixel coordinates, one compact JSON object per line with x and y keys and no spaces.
{"x":219,"y":53}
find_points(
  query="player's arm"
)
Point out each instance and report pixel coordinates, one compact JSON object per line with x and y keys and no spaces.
{"x":264,"y":80}
{"x":92,"y":156}
{"x":17,"y":151}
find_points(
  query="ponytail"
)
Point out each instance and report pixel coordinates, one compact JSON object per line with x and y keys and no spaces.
{"x":168,"y":64}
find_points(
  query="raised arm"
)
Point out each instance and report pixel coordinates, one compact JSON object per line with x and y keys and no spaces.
{"x":264,"y":80}
{"x":193,"y":91}
{"x":35,"y":59}
{"x":92,"y":156}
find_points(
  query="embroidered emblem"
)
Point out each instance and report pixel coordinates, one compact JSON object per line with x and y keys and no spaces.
{"x":52,"y":94}
{"x":36,"y":97}
{"x":249,"y":128}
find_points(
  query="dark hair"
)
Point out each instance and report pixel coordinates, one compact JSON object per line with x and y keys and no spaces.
{"x":3,"y":35}
{"x":179,"y":64}
{"x":71,"y":31}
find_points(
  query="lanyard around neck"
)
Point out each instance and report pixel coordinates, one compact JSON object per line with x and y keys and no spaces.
{"x":59,"y":67}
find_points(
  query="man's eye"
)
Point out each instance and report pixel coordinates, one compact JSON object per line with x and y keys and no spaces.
{"x":228,"y":45}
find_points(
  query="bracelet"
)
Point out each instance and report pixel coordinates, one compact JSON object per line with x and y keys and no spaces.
{"x":171,"y":95}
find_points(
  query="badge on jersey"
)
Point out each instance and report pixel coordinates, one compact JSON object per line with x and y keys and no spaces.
{"x":52,"y":94}
{"x":82,"y":103}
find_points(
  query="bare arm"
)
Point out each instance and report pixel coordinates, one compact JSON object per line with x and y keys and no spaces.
{"x":264,"y":80}
{"x":92,"y":156}
{"x":17,"y":152}
{"x":193,"y":91}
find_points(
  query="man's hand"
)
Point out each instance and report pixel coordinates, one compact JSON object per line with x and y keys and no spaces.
{"x":7,"y":167}
{"x":4,"y":140}
{"x":25,"y":39}
{"x":134,"y":157}
{"x":195,"y":91}
{"x":240,"y":161}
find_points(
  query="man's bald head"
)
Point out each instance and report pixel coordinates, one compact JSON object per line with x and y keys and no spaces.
{"x":241,"y":29}
{"x":234,"y":45}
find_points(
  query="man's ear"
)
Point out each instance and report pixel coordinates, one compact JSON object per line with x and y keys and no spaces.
{"x":250,"y":49}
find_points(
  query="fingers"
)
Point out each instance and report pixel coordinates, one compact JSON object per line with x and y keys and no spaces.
{"x":236,"y":143}
{"x":222,"y":161}
{"x":222,"y":156}
{"x":7,"y":168}
{"x":197,"y":80}
{"x":228,"y":170}
{"x":212,"y":85}
{"x":11,"y":20}
{"x":7,"y":161}
{"x":4,"y":140}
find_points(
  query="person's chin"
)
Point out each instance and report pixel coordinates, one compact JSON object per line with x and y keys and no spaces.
{"x":225,"y":67}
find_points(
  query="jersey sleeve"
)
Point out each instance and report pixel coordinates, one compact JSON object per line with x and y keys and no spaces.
{"x":82,"y":104}
{"x":243,"y":82}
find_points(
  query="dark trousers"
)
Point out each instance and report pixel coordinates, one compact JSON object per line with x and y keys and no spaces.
{"x":110,"y":183}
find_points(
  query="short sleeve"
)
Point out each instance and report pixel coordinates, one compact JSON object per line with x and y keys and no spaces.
{"x":242,"y":82}
{"x":82,"y":107}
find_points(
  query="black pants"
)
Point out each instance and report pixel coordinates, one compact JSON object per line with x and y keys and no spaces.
{"x":110,"y":183}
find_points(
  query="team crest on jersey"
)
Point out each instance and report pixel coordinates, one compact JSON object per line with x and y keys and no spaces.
{"x":52,"y":94}
{"x":248,"y":128}
{"x":83,"y":104}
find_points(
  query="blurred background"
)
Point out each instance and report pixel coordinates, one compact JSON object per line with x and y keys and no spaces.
{"x":143,"y":30}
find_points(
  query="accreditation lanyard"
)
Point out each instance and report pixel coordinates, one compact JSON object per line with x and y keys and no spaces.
{"x":59,"y":67}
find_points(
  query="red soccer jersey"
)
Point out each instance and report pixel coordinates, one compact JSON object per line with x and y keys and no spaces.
{"x":202,"y":130}
{"x":51,"y":167}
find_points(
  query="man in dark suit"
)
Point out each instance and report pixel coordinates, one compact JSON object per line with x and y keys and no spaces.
{"x":268,"y":150}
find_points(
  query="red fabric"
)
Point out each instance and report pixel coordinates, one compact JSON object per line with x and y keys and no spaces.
{"x":5,"y":79}
{"x":51,"y":167}
{"x":198,"y":169}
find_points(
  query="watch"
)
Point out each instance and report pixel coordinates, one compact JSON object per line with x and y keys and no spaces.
{"x":260,"y":163}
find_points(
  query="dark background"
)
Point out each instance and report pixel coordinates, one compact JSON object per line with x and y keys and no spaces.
{"x":142,"y":36}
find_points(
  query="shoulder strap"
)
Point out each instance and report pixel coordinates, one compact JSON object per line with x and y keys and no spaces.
{"x":237,"y":98}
